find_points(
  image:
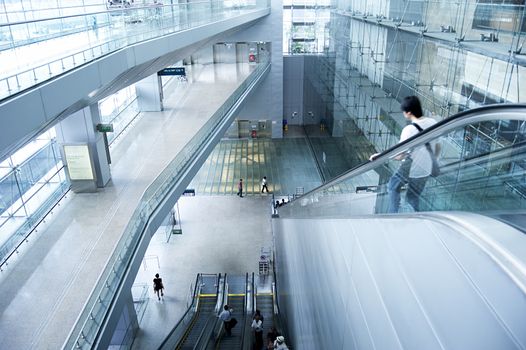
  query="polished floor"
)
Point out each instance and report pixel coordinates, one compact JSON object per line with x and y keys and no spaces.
{"x":221,"y":234}
{"x":44,"y":290}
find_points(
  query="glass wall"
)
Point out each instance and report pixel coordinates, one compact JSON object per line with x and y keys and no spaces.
{"x":453,"y":55}
{"x":31,"y":182}
{"x":119,"y":109}
{"x":305,"y":25}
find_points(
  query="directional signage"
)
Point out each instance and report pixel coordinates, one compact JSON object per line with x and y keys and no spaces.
{"x":172,"y":71}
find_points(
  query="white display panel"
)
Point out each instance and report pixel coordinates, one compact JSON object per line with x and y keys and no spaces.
{"x":78,"y":162}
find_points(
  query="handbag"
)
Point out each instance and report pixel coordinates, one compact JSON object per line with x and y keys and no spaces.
{"x":435,"y":167}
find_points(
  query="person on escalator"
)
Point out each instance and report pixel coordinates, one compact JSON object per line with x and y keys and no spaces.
{"x":226,"y":317}
{"x":257,"y":326}
{"x":279,"y":344}
{"x":272,"y":335}
{"x":416,"y":167}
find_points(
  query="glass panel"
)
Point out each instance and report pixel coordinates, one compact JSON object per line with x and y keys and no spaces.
{"x":74,"y":40}
{"x":482,"y":163}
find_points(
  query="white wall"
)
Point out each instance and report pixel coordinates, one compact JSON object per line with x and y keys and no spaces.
{"x":267,"y":102}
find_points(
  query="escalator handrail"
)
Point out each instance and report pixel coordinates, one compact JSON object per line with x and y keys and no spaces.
{"x":247,"y":340}
{"x":244,"y":338}
{"x":211,"y":324}
{"x":423,"y":137}
{"x":197,"y":291}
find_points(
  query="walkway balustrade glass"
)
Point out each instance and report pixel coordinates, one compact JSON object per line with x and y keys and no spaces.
{"x":34,"y":51}
{"x":31,"y":181}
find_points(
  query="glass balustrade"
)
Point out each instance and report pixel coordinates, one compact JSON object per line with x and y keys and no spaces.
{"x":31,"y":182}
{"x":86,"y":329}
{"x":32,"y":52}
{"x":482,"y":162}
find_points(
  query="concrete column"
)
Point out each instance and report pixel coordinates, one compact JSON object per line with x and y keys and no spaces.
{"x":127,"y":325}
{"x":149,"y":94}
{"x":81,"y":128}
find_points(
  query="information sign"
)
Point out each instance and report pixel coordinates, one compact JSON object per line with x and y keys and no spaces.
{"x":78,"y":162}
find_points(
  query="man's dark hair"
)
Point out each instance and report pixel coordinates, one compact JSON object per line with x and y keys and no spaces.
{"x":412,"y":104}
{"x":225,"y":307}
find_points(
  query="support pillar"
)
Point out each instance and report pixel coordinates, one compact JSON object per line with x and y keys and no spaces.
{"x":81,"y":128}
{"x":127,"y":325}
{"x":149,"y":94}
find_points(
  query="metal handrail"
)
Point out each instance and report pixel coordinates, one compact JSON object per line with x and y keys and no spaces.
{"x":84,"y":14}
{"x":246,"y":311}
{"x":473,"y":115}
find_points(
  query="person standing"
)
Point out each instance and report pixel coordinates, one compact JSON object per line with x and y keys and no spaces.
{"x":279,"y":344}
{"x":416,"y":167}
{"x":264,"y":184}
{"x":257,"y":326}
{"x":271,"y":337}
{"x":226,"y":317}
{"x":240,"y":188}
{"x":158,"y":287}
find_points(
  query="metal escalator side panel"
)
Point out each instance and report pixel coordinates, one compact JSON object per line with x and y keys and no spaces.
{"x":206,"y":307}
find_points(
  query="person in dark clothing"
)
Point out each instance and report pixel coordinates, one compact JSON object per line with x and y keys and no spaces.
{"x":240,"y":188}
{"x":158,"y":286}
{"x":271,"y":337}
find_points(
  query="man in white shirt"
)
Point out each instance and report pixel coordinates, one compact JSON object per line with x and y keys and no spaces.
{"x":416,"y":167}
{"x":264,"y":184}
{"x":226,"y":317}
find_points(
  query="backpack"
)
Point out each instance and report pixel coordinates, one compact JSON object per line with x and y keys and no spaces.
{"x":435,"y":168}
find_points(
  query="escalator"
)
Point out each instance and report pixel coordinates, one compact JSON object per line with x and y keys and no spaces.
{"x":265,"y":304}
{"x":206,"y":301}
{"x":451,"y":275}
{"x":236,"y":300}
{"x":483,"y":168}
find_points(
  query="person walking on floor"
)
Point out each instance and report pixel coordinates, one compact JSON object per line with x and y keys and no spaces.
{"x":257,"y":326}
{"x":240,"y":188}
{"x":226,"y":317}
{"x":264,"y":184}
{"x":158,"y":287}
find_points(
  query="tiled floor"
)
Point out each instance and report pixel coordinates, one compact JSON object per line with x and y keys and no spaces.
{"x":287,"y":164}
{"x":59,"y":268}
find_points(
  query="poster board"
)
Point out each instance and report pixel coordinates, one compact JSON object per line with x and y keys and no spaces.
{"x":78,"y":162}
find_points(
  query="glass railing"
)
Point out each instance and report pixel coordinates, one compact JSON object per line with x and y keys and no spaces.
{"x":39,"y":50}
{"x":28,"y":192}
{"x":86,"y":329}
{"x":482,"y":169}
